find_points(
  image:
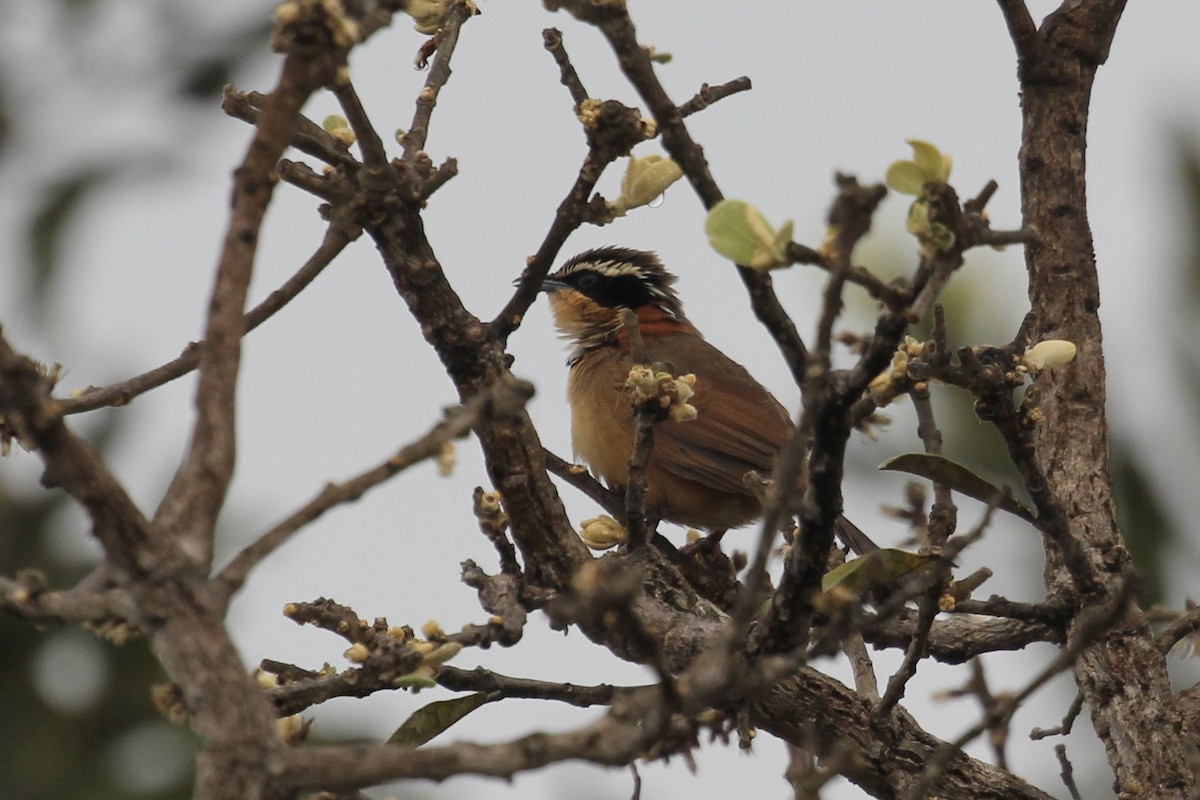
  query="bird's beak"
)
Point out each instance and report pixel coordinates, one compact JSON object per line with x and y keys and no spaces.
{"x":549,"y":284}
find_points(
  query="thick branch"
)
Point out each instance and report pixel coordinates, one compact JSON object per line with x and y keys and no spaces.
{"x":1121,"y":674}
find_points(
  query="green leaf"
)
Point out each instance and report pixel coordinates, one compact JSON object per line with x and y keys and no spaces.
{"x":645,"y":180}
{"x":962,"y":480}
{"x":730,"y":232}
{"x":929,"y":160}
{"x":428,"y":721}
{"x":876,"y":568}
{"x":906,"y":177}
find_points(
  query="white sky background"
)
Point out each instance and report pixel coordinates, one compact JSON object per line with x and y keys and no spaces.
{"x":342,"y":377}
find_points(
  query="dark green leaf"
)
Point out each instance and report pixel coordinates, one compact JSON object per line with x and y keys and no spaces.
{"x":954,"y":475}
{"x":427,"y":722}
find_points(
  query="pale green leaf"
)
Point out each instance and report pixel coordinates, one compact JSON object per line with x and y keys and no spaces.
{"x":735,"y":230}
{"x":929,"y":160}
{"x":906,"y":177}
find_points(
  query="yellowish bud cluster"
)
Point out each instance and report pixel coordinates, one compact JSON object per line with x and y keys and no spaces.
{"x":603,"y":532}
{"x":490,"y":510}
{"x":589,"y":113}
{"x":670,"y":392}
{"x":344,"y":30}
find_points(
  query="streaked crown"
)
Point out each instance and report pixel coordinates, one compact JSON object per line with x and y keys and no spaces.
{"x":620,"y":277}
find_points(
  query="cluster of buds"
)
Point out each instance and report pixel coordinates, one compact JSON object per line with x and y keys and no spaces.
{"x":328,"y":13}
{"x":895,"y":380}
{"x":910,"y":370}
{"x":435,"y":649}
{"x":489,"y":510}
{"x":663,"y":390}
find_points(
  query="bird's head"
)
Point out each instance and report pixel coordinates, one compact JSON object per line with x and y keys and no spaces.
{"x":590,"y":291}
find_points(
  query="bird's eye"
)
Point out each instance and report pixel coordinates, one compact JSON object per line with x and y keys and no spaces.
{"x":587,"y":280}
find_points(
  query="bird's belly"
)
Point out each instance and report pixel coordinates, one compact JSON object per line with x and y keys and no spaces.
{"x":602,"y":428}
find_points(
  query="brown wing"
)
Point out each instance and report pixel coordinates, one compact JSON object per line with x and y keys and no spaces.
{"x":740,"y":426}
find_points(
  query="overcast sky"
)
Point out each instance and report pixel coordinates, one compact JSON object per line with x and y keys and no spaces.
{"x":342,"y":377}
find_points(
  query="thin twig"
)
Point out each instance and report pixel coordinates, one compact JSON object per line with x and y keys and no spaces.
{"x":337,"y":236}
{"x":864,"y":670}
{"x":927,"y":612}
{"x":484,"y":680}
{"x":646,"y":415}
{"x":578,"y":476}
{"x":1064,"y":727}
{"x":457,"y":423}
{"x":893,"y":295}
{"x":30,"y":597}
{"x":307,"y":137}
{"x":553,"y":42}
{"x":439,"y":74}
{"x":712,"y":94}
{"x":369,"y":142}
{"x":569,"y":215}
{"x":1067,"y":772}
{"x":1180,"y":629}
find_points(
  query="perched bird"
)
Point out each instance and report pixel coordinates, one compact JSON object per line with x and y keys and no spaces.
{"x":696,"y":472}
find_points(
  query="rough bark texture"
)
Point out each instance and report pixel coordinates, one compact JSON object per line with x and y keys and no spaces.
{"x":1122,"y":675}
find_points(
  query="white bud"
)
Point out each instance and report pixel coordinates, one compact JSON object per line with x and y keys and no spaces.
{"x":1049,"y":353}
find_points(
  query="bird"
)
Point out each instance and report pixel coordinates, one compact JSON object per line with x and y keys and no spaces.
{"x":696,"y":473}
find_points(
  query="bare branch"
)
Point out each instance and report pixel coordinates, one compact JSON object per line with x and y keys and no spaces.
{"x":578,"y":476}
{"x":503,"y":398}
{"x":1067,"y":771}
{"x":712,"y":94}
{"x":552,"y":39}
{"x":446,"y":40}
{"x":483,"y":680}
{"x":337,"y":236}
{"x":615,"y":740}
{"x":191,"y":504}
{"x":369,"y":142}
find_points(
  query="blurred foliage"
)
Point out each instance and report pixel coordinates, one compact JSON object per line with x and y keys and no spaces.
{"x":110,"y":742}
{"x":1144,"y":523}
{"x":205,"y":76}
{"x":1148,"y":531}
{"x":56,"y":751}
{"x":56,"y":208}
